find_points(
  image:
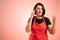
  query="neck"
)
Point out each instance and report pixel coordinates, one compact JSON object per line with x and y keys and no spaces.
{"x":39,"y":17}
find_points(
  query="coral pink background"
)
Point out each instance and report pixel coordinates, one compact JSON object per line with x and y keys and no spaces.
{"x":14,"y":15}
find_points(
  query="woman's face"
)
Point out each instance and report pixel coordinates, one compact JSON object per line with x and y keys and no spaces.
{"x":39,"y":10}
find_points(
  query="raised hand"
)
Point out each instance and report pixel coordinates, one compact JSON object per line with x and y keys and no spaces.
{"x":32,"y":14}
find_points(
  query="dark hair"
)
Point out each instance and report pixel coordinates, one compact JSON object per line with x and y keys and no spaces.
{"x":42,"y":8}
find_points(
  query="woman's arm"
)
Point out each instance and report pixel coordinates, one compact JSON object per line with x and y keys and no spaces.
{"x":51,"y":28}
{"x":28,"y":26}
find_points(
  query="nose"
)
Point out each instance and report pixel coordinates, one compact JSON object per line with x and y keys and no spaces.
{"x":39,"y":11}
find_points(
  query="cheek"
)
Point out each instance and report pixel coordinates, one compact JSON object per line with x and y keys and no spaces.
{"x":41,"y":10}
{"x":37,"y":10}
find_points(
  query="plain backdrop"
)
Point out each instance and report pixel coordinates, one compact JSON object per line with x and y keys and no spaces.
{"x":14,"y":15}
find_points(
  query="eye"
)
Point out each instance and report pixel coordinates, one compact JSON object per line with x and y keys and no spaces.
{"x":40,"y":8}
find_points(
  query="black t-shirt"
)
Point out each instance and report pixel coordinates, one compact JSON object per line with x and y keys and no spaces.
{"x":41,"y":20}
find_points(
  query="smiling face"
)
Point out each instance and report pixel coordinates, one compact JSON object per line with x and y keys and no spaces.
{"x":39,"y":10}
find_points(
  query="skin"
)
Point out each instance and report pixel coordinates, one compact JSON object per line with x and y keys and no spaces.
{"x":51,"y":27}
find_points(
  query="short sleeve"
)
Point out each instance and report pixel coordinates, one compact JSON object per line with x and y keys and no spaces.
{"x":28,"y":20}
{"x":48,"y":22}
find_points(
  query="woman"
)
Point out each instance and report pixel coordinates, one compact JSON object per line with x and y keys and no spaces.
{"x":39,"y":24}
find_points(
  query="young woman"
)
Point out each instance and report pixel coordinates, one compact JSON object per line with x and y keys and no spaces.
{"x":39,"y":24}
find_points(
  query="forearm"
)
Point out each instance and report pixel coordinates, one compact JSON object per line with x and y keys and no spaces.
{"x":53,"y":28}
{"x":28,"y":27}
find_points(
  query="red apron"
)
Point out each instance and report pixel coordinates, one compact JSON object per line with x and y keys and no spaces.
{"x":38,"y":31}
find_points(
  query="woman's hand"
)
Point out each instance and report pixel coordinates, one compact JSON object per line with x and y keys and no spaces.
{"x":32,"y":14}
{"x":54,"y":19}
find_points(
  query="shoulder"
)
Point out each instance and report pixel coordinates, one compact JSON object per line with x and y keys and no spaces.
{"x":46,"y":18}
{"x":32,"y":19}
